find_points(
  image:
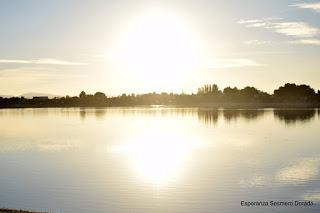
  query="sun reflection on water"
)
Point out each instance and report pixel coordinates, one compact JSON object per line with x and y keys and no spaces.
{"x":158,"y":156}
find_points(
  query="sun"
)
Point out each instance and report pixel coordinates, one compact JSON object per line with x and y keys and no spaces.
{"x":157,"y":47}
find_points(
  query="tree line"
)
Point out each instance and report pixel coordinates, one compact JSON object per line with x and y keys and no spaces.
{"x":287,"y":95}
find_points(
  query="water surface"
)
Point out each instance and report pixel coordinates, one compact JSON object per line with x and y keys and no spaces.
{"x":158,"y":159}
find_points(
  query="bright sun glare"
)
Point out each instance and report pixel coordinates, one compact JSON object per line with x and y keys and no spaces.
{"x":158,"y":156}
{"x":157,"y":47}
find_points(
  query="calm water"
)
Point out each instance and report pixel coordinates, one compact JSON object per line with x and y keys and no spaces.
{"x":158,"y":160}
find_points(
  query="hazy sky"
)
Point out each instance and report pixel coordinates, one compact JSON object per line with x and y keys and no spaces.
{"x":65,"y":46}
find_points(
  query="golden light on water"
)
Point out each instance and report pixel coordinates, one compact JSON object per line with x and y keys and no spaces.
{"x":158,"y":156}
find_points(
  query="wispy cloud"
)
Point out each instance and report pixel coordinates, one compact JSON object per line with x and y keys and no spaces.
{"x":36,"y":72}
{"x":312,"y":6}
{"x":58,"y":62}
{"x":307,"y":41}
{"x":257,"y":42}
{"x":295,"y":29}
{"x":222,"y":63}
{"x":254,"y":21}
{"x":42,"y":61}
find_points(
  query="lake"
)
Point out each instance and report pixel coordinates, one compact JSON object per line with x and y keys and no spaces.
{"x":75,"y":160}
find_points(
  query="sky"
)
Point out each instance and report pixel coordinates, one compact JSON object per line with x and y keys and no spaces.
{"x":63,"y":47}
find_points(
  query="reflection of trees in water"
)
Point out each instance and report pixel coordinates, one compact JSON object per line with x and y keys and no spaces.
{"x":209,"y":117}
{"x":156,"y":111}
{"x":291,"y":116}
{"x":98,"y":113}
{"x":248,"y":114}
{"x":212,"y":116}
{"x":82,"y":113}
{"x":139,"y":111}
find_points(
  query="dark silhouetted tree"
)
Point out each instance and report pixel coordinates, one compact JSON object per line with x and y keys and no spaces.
{"x":99,"y":95}
{"x":293,"y":92}
{"x":82,"y":94}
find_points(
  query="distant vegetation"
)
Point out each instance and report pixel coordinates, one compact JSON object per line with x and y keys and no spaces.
{"x":289,"y":95}
{"x":15,"y":211}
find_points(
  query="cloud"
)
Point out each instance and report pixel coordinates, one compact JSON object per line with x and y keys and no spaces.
{"x":307,"y":41}
{"x":233,"y":63}
{"x":312,"y":6}
{"x":42,"y":61}
{"x":294,"y":29}
{"x":253,"y":21}
{"x":35,"y":73}
{"x":57,"y":62}
{"x":257,"y":42}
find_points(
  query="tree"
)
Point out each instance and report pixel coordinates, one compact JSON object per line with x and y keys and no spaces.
{"x":293,"y":92}
{"x":209,"y":89}
{"x":99,"y":95}
{"x":249,"y":92}
{"x":82,"y":94}
{"x":228,"y":91}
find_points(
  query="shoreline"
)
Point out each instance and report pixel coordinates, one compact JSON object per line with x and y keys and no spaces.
{"x":203,"y":106}
{"x":4,"y":210}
